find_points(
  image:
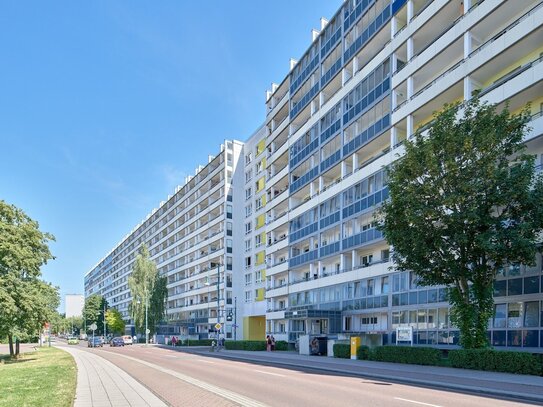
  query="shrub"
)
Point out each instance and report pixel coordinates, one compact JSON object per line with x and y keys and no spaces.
{"x":362,"y":352}
{"x":246,"y":345}
{"x":195,"y":342}
{"x":496,"y":361}
{"x":404,"y":354}
{"x":342,"y":350}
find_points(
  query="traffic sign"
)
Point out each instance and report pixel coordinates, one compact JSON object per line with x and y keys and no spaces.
{"x":218,"y":326}
{"x":148,"y":331}
{"x":93,"y":327}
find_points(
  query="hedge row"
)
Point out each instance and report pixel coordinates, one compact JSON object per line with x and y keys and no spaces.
{"x":342,"y":350}
{"x":496,"y":361}
{"x":254,"y":345}
{"x":195,"y":342}
{"x":404,"y":354}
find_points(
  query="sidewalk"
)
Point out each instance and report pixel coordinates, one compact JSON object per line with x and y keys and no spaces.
{"x":102,"y":384}
{"x":529,"y":388}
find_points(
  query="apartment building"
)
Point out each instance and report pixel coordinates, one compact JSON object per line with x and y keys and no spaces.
{"x":191,"y":239}
{"x":284,"y":222}
{"x":372,"y":77}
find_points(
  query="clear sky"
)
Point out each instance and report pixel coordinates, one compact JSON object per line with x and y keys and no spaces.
{"x":105,"y":106}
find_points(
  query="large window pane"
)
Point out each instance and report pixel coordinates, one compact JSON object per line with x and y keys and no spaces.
{"x":514,"y":338}
{"x":531,"y":314}
{"x":499,"y":315}
{"x":500,"y":288}
{"x":530,"y":339}
{"x":531,"y":285}
{"x":443,"y":318}
{"x":498,"y":338}
{"x":514,"y":315}
{"x":514,"y":286}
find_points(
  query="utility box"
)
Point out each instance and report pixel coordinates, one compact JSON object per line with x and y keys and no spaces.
{"x":355,"y":343}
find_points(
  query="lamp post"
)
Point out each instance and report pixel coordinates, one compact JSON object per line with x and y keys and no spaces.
{"x":218,"y":300}
{"x":235,"y":318}
{"x":105,"y":330}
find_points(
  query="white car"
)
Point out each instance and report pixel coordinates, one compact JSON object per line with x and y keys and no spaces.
{"x":127,"y":340}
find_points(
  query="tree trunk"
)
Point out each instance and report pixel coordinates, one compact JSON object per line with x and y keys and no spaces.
{"x":17,"y":346}
{"x":10,"y":339}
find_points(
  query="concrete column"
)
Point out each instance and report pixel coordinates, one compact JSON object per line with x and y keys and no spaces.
{"x":410,"y":87}
{"x":321,"y":183}
{"x":311,"y":189}
{"x":468,"y":88}
{"x":467,"y":44}
{"x":410,"y":11}
{"x":355,"y":162}
{"x":355,"y":65}
{"x":393,"y":137}
{"x":353,"y":259}
{"x":342,"y":261}
{"x":319,"y":266}
{"x":393,"y":26}
{"x":467,"y":5}
{"x":409,"y":120}
{"x":343,"y":169}
{"x":410,"y":48}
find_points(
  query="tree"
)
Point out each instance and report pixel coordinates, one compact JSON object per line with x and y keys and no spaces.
{"x":146,"y":287}
{"x":23,"y":250}
{"x":115,"y":321}
{"x":465,"y":202}
{"x":93,"y":312}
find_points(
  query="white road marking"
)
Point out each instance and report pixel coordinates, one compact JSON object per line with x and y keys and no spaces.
{"x":416,"y":402}
{"x":205,"y":361}
{"x":270,"y":373}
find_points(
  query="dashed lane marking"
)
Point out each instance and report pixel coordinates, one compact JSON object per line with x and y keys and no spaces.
{"x":416,"y":402}
{"x":270,"y":373}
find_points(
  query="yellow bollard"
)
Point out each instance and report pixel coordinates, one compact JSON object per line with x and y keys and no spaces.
{"x":355,"y":343}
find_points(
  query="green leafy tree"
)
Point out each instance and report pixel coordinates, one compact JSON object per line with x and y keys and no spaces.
{"x":115,"y":321}
{"x":23,"y":250}
{"x":465,"y":202}
{"x":93,"y":312}
{"x":147,"y":288}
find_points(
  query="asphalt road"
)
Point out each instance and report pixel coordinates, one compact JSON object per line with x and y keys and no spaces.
{"x":184,"y":379}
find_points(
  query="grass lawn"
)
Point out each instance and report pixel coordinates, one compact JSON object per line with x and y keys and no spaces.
{"x":46,"y":377}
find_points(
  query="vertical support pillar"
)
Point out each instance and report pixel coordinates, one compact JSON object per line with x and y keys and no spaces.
{"x":410,"y":11}
{"x":393,"y":137}
{"x":409,"y":120}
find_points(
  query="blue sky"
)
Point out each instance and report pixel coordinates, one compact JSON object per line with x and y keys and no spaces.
{"x":105,"y":106}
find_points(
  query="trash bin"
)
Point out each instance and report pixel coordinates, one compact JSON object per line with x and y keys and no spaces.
{"x":318,"y":346}
{"x":323,"y":345}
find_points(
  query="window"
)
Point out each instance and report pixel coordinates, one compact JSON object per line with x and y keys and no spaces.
{"x":385,"y":254}
{"x":348,"y":323}
{"x":229,"y":263}
{"x":258,"y":240}
{"x":248,"y":279}
{"x":514,"y":315}
{"x":248,"y":245}
{"x":371,"y":284}
{"x":248,"y":210}
{"x":384,"y":285}
{"x":248,"y":158}
{"x":247,"y":262}
{"x":229,"y":211}
{"x":531,"y":314}
{"x":248,"y":296}
{"x":229,"y":246}
{"x":248,"y":228}
{"x":258,"y":276}
{"x":248,"y":193}
{"x":248,"y":175}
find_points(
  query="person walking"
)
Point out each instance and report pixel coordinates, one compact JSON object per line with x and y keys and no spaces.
{"x":174,"y":341}
{"x":268,"y":343}
{"x":272,"y":343}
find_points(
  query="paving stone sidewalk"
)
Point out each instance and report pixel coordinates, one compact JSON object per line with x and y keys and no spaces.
{"x":102,"y":384}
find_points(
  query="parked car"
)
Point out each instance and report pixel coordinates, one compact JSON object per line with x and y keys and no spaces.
{"x":82,"y":337}
{"x":117,"y":341}
{"x":72,"y":340}
{"x":127,"y":340}
{"x":95,"y":342}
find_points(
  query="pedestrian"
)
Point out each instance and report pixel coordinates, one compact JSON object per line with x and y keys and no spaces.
{"x":268,"y":343}
{"x":174,"y":341}
{"x":272,"y":343}
{"x":135,"y":339}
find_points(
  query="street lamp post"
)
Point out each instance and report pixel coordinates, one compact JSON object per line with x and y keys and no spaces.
{"x":105,"y":329}
{"x":218,"y":301}
{"x":235,"y":318}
